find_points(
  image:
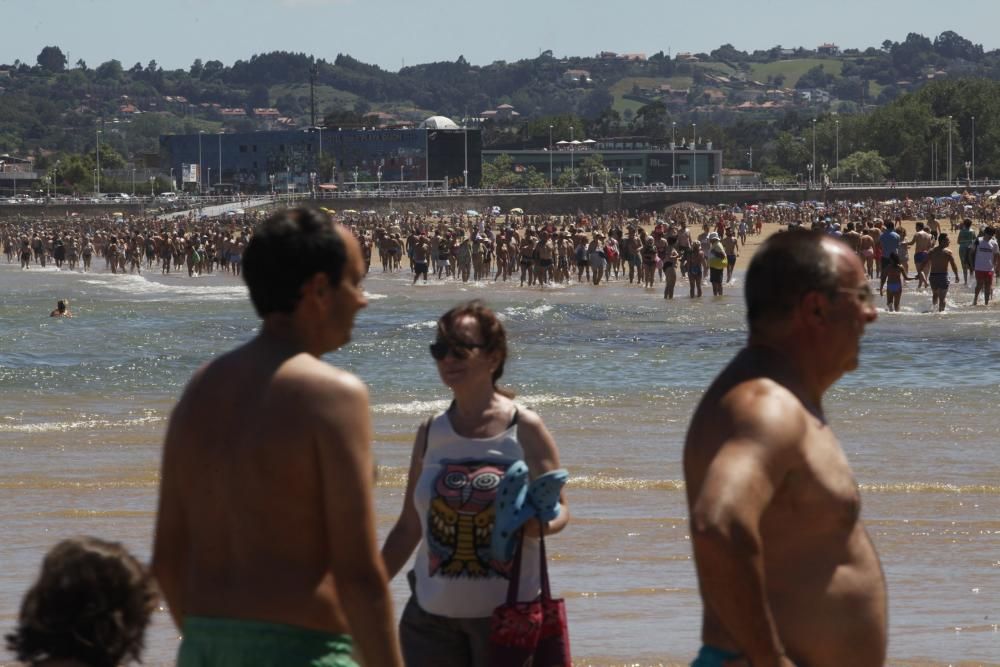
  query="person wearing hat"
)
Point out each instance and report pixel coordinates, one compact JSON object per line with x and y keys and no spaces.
{"x":717,"y":262}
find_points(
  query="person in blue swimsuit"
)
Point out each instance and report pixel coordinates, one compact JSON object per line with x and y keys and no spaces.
{"x":893,"y":275}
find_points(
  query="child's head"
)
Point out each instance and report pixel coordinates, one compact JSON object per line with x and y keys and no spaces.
{"x":91,"y":603}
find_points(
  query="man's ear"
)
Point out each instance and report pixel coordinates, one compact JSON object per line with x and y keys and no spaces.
{"x":815,"y":308}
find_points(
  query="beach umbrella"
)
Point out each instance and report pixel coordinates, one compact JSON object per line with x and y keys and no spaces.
{"x":517,"y":211}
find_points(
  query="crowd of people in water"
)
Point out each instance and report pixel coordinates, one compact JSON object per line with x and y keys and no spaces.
{"x":266,"y":583}
{"x":691,"y":244}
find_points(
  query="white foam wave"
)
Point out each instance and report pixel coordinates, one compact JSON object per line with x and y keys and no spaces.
{"x":139,"y":285}
{"x":428,"y":324}
{"x":82,"y":424}
{"x":525,"y":312}
{"x":528,"y":400}
{"x":375,"y":297}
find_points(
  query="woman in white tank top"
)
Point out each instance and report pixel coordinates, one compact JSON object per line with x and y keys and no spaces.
{"x":458,"y":460}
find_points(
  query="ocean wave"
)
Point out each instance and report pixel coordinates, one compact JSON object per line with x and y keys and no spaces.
{"x":525,"y":312}
{"x":376,"y":297}
{"x":930,"y":488}
{"x":528,"y":401}
{"x":395,"y":477}
{"x":427,"y":324}
{"x":80,"y":424}
{"x":149,"y":480}
{"x":137,"y":285}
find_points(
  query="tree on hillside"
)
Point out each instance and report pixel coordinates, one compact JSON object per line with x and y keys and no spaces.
{"x":950,"y":44}
{"x":654,"y":121}
{"x":817,"y":77}
{"x":51,"y":59}
{"x":864,"y":166}
{"x":110,"y":71}
{"x":729,"y":53}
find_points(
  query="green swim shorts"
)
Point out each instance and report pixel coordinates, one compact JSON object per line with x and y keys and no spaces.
{"x":709,"y":656}
{"x":231,"y":642}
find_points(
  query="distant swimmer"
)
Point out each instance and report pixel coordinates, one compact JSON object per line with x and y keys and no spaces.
{"x":62,"y":309}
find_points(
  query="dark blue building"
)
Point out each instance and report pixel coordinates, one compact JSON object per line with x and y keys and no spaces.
{"x":293,"y":159}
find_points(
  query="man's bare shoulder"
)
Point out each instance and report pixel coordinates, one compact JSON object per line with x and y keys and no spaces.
{"x":757,"y":410}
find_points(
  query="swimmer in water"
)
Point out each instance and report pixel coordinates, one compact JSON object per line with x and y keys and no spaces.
{"x":62,"y":309}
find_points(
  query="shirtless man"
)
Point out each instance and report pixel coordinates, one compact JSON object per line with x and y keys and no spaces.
{"x":939,"y":259}
{"x":852,"y":238}
{"x":420,"y":258}
{"x":786,"y":569}
{"x":867,"y":252}
{"x":546,"y":259}
{"x":729,"y":242}
{"x":922,"y":244}
{"x":265,"y":533}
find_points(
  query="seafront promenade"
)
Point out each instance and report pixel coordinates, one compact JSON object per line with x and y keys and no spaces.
{"x":531,"y":200}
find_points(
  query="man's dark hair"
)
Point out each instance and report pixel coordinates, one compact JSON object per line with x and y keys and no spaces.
{"x":785,"y":268}
{"x":91,"y":603}
{"x":286,"y":250}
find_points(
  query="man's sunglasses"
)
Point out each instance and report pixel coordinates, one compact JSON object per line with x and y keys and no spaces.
{"x":459,"y":350}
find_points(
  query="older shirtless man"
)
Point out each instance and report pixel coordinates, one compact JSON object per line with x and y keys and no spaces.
{"x":265,"y":536}
{"x":787,"y":572}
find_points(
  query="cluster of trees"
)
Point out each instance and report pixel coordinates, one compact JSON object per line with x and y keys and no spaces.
{"x":53,"y":109}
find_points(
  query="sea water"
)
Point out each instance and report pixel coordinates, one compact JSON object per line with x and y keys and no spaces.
{"x":615,"y":371}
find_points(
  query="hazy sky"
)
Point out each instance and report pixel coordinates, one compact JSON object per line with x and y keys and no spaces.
{"x":391,"y":32}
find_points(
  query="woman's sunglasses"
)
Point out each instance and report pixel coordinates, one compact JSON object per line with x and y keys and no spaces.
{"x":457,"y":349}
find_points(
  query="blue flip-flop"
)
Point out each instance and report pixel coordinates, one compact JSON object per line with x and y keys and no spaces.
{"x":518,"y":501}
{"x":511,"y":510}
{"x":543,"y":494}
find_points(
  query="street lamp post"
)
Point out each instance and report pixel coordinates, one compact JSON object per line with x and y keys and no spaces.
{"x":97,"y":173}
{"x":812,"y":172}
{"x":550,"y":156}
{"x":694,"y":154}
{"x":571,"y":151}
{"x":133,"y":181}
{"x":209,"y":177}
{"x":673,"y":151}
{"x":152,"y":179}
{"x":836,"y":125}
{"x":200,"y":167}
{"x":809,"y":171}
{"x":465,"y":169}
{"x":968,"y":165}
{"x":220,"y":159}
{"x":973,"y":148}
{"x":949,"y":149}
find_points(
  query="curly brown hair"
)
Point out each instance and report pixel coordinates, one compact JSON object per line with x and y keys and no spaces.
{"x":92,"y":602}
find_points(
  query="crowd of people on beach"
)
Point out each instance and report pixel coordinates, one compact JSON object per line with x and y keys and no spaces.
{"x":265,"y":550}
{"x":690,"y":244}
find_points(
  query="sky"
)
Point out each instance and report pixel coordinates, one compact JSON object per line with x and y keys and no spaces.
{"x":391,"y":33}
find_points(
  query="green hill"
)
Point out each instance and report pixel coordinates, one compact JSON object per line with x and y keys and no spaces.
{"x":793,"y":69}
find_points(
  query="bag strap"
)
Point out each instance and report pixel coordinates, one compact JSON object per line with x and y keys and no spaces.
{"x":543,"y":566}
{"x":427,"y":435}
{"x":515,"y":570}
